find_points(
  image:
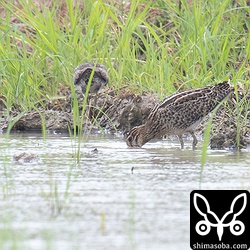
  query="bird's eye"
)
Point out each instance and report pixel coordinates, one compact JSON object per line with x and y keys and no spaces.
{"x":125,"y":134}
{"x":130,"y":139}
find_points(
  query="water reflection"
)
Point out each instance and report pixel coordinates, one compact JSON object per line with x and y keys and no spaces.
{"x":57,"y":202}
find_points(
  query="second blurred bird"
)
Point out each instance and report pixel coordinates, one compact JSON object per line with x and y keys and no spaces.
{"x":82,"y":75}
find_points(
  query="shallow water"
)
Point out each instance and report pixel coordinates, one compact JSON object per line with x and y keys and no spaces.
{"x":113,"y":198}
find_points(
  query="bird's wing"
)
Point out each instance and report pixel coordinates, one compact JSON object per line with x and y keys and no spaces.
{"x":101,"y":72}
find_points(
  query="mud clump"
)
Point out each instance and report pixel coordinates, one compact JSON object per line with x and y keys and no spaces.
{"x":128,"y":111}
{"x":227,"y":132}
{"x":35,"y":119}
{"x":25,"y":158}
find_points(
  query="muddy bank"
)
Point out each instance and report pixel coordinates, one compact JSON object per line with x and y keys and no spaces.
{"x":120,"y":110}
{"x":111,"y":110}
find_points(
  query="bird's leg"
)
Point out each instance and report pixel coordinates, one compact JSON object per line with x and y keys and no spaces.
{"x":195,"y":141}
{"x":95,"y":99}
{"x":92,"y":106}
{"x":89,"y":103}
{"x":181,"y":141}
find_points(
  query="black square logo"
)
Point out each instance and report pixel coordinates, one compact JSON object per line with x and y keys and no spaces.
{"x":220,"y":219}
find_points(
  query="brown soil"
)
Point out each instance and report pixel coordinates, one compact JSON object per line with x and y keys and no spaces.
{"x":120,"y":110}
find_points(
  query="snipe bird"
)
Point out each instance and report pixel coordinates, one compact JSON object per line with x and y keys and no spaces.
{"x":179,"y":113}
{"x":82,"y":75}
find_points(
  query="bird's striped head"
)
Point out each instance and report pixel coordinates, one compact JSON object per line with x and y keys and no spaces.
{"x":136,"y":138}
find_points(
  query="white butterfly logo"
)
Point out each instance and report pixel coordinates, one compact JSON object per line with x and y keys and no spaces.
{"x":203,"y":227}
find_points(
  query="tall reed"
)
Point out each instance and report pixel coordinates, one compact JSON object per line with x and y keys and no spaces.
{"x":153,"y":45}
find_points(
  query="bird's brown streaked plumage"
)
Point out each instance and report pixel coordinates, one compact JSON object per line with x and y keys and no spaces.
{"x":82,"y":75}
{"x":179,"y":113}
